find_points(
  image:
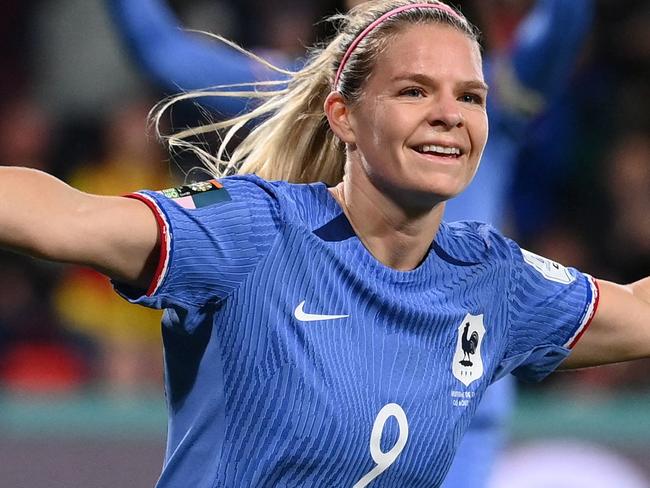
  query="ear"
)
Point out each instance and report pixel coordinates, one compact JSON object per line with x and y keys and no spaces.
{"x":338,"y":116}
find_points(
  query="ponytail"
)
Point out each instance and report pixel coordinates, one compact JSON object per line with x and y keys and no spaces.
{"x":292,"y":140}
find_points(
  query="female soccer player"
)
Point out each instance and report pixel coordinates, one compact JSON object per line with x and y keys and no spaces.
{"x":536,"y":67}
{"x":337,"y":336}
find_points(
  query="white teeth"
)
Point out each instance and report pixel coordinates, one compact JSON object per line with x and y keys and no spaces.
{"x":439,"y":150}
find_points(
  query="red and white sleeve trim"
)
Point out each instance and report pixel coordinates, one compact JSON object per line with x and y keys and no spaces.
{"x":590,"y":311}
{"x":165,"y":241}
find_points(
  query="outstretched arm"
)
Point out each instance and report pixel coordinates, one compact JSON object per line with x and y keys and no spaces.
{"x":548,"y":44}
{"x":541,"y":59}
{"x":620,"y":330}
{"x":46,"y":218}
{"x":180,"y":61}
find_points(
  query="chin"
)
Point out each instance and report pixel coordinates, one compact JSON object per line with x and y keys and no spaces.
{"x":423,"y":198}
{"x":441,"y":191}
{"x":421,"y":191}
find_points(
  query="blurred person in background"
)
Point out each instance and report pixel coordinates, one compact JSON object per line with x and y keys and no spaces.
{"x":532,"y":48}
{"x":605,"y":116}
{"x":564,"y":155}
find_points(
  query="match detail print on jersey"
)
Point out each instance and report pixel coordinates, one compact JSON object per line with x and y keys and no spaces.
{"x":467,"y":364}
{"x":198,"y":195}
{"x":385,"y":459}
{"x":303,"y":316}
{"x":549,"y":269}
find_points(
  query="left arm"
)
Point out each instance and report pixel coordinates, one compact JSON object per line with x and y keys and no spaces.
{"x":620,"y":330}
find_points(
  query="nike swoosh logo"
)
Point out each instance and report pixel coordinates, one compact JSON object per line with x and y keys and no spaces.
{"x":301,"y":315}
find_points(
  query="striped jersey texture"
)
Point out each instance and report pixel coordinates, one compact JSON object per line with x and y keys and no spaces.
{"x":293,"y":358}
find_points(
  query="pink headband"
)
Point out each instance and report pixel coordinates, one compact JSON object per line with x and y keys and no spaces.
{"x":376,"y":23}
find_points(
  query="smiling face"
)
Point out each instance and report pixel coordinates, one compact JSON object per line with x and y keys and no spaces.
{"x":419,"y":129}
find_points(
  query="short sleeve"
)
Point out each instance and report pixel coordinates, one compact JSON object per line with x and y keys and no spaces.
{"x":549,"y":308}
{"x":213,"y":234}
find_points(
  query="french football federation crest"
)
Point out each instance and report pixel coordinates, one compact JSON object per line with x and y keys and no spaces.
{"x":467,"y":363}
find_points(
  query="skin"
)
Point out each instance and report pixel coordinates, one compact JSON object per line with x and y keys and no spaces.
{"x":394,"y":195}
{"x":49,"y":219}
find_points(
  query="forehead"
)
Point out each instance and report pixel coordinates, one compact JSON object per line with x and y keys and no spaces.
{"x":432,"y":49}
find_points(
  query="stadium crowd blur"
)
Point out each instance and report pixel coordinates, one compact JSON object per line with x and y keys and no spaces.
{"x":72,"y":104}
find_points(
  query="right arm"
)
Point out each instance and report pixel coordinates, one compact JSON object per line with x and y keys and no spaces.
{"x":549,"y":43}
{"x":179,"y":61}
{"x":44,"y":217}
{"x":540,"y":61}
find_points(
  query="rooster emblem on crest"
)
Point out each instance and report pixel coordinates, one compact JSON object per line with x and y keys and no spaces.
{"x":467,"y":365}
{"x":469,"y":345}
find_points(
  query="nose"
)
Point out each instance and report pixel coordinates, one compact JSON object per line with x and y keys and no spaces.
{"x":445,"y":112}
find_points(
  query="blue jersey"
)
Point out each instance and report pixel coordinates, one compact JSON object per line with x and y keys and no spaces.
{"x":537,"y":66}
{"x":294,"y":358}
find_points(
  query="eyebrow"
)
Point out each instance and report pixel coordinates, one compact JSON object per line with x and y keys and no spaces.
{"x":426,"y":80}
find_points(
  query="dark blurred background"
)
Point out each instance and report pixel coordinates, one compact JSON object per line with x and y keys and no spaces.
{"x":81,"y":400}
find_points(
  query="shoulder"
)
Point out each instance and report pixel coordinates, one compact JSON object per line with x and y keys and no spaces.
{"x":306,"y":203}
{"x":282,"y":202}
{"x":251,"y":186}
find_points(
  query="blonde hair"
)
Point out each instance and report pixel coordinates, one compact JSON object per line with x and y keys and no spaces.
{"x":292,"y":140}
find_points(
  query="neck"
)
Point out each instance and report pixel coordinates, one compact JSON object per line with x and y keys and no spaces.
{"x":396,"y":235}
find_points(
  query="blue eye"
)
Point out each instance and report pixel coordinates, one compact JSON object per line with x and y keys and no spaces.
{"x":472,"y":98}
